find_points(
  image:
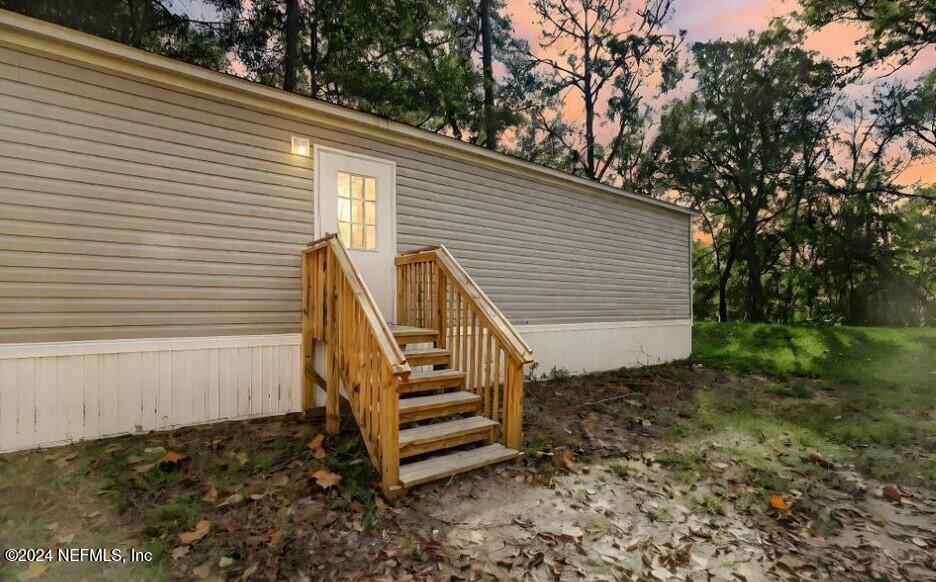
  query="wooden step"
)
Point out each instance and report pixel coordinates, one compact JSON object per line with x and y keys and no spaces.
{"x":428,"y":357}
{"x":442,"y":435}
{"x":432,"y":380}
{"x":443,"y":466}
{"x":423,"y":407}
{"x":406,"y":334}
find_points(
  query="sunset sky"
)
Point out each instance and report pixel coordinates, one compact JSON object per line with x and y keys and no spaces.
{"x":707,"y":20}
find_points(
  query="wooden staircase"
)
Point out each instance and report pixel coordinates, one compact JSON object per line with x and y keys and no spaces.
{"x":436,"y":395}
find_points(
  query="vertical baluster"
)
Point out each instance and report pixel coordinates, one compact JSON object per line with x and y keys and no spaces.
{"x":464,"y":331}
{"x":488,"y":369}
{"x":495,"y":396}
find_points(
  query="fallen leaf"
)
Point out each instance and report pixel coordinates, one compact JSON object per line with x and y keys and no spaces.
{"x":171,"y":461}
{"x":242,"y":457}
{"x":202,"y":571}
{"x":779,"y":503}
{"x":326,"y":478}
{"x":225,"y":562}
{"x":319,"y":453}
{"x":892,"y":493}
{"x":250,"y":571}
{"x":568,"y":459}
{"x":819,"y":460}
{"x":201,"y":530}
{"x":134,"y":459}
{"x":317,"y":441}
{"x":172,"y":457}
{"x":274,"y":535}
{"x":232,"y":500}
{"x":34,"y":570}
{"x":211,"y":496}
{"x":180,"y":552}
{"x":144,"y":468}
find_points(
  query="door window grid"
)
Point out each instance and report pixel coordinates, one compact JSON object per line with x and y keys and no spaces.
{"x":357,"y":211}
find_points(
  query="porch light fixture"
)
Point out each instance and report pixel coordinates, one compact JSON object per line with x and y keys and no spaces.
{"x":300,"y":146}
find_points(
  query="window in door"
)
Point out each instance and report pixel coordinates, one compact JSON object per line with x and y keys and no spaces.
{"x":357,"y":211}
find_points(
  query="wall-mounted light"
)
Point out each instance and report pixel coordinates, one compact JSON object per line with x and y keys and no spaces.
{"x":300,"y":146}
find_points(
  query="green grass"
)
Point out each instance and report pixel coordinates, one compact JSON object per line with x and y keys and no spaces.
{"x":863,"y":395}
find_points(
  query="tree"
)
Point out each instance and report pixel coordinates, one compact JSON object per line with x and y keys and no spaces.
{"x":911,"y":112}
{"x":487,"y":66}
{"x":606,"y":56}
{"x":897,"y":30}
{"x":408,"y":60}
{"x":145,"y":24}
{"x":746,"y":148}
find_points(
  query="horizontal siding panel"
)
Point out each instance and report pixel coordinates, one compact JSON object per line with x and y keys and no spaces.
{"x":65,"y":261}
{"x":136,"y":133}
{"x":68,"y":194}
{"x":145,"y":251}
{"x":17,"y":320}
{"x":107,"y":277}
{"x":134,"y":210}
{"x":75,"y":216}
{"x":56,"y":334}
{"x":253,"y":204}
{"x":117,"y":291}
{"x":35,"y":147}
{"x":65,"y":305}
{"x":105,"y":233}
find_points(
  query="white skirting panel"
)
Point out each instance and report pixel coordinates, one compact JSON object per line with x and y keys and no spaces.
{"x":594,"y":347}
{"x":56,"y":393}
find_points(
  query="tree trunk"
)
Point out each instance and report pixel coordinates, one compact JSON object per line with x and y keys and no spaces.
{"x":754,"y":292}
{"x":487,"y":65}
{"x":291,"y":62}
{"x":589,"y":103}
{"x":314,"y":51}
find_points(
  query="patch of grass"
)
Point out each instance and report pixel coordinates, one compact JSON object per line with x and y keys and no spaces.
{"x":866,"y":394}
{"x":687,"y":466}
{"x":619,"y":467}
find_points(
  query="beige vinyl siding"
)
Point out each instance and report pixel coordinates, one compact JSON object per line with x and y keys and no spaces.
{"x":131,"y":210}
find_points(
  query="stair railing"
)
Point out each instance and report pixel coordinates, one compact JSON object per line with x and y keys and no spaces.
{"x":434,"y":291}
{"x":361,"y":354}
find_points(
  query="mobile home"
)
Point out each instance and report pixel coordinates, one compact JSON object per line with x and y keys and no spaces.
{"x":156,"y":269}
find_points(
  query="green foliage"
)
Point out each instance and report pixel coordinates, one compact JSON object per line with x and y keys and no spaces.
{"x":898,"y":30}
{"x":146,"y":24}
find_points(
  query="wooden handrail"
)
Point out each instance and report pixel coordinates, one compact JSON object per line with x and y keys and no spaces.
{"x":435,"y":291}
{"x":362,"y":359}
{"x":389,"y":346}
{"x":502,"y":325}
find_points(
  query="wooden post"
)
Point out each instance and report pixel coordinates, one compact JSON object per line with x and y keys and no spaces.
{"x":389,"y":432}
{"x":307,"y":350}
{"x":332,"y":396}
{"x":441,"y":309}
{"x":513,"y":404}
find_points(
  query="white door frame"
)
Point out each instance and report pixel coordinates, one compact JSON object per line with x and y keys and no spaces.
{"x":317,"y":150}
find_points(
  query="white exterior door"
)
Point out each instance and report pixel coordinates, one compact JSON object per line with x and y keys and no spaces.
{"x":356,"y":197}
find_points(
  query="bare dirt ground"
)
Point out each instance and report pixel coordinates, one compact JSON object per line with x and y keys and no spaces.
{"x":616,"y":483}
